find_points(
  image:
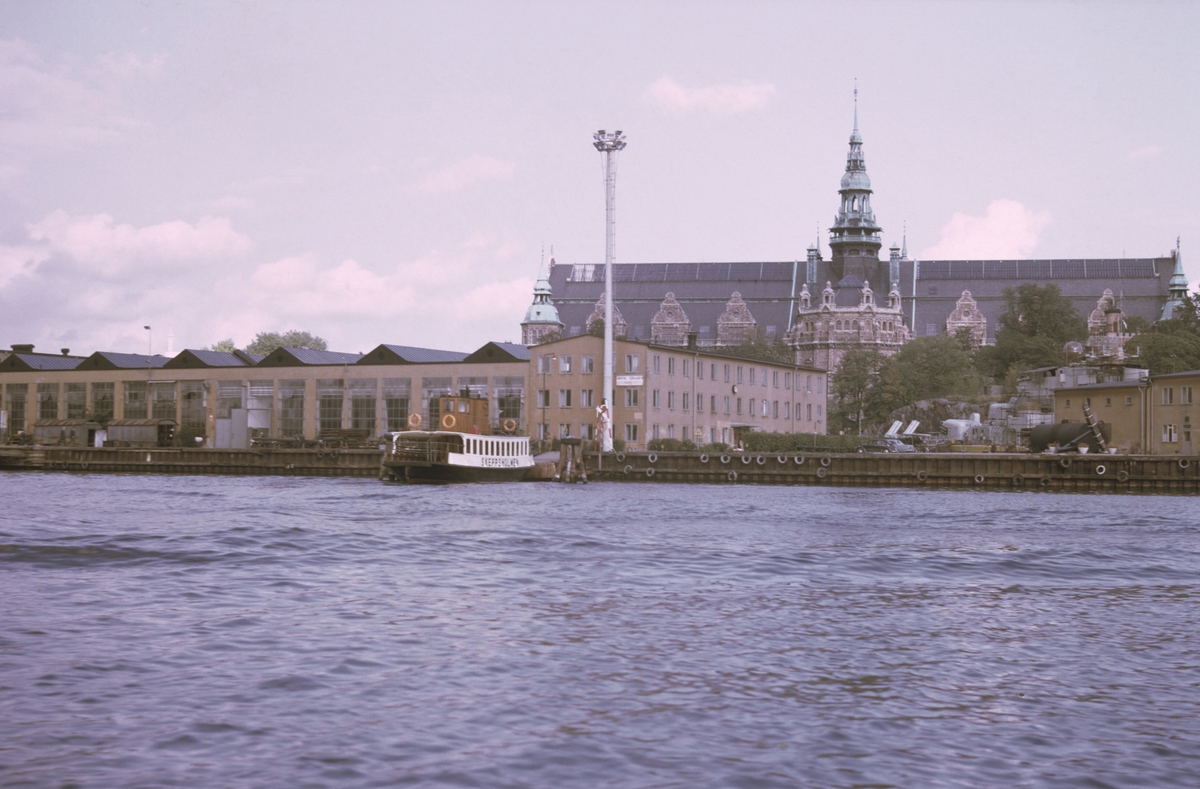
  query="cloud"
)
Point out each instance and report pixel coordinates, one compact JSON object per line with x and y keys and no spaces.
{"x":466,"y":173}
{"x":131,"y":66}
{"x":1006,"y":231}
{"x":731,"y":99}
{"x":1144,"y":153}
{"x":97,"y":241}
{"x":50,"y":109}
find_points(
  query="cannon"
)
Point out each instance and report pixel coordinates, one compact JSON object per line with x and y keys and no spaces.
{"x":1069,"y":436}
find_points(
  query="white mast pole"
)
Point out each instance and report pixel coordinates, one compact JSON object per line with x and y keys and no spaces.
{"x":609,"y":144}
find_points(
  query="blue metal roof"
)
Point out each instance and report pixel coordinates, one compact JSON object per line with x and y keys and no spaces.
{"x":205,"y":358}
{"x":309,"y":356}
{"x":41,"y":361}
{"x":425,"y":355}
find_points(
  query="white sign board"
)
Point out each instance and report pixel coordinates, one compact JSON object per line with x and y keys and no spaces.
{"x":630,"y":380}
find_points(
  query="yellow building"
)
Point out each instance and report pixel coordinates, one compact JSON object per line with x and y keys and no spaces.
{"x":1153,"y":416}
{"x":669,"y":391}
{"x":1172,"y":406}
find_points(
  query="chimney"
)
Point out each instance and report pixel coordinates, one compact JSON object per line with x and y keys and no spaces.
{"x":23,"y":348}
{"x":66,"y":351}
{"x":691,"y":342}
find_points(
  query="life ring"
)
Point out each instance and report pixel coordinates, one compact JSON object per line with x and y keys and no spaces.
{"x":826,"y":460}
{"x":414,"y":421}
{"x":782,"y":459}
{"x":760,"y":460}
{"x":84,"y":464}
{"x":922,"y":475}
{"x":979,"y":479}
{"x":627,"y":469}
{"x":510,"y":425}
{"x":1184,"y":462}
{"x":821,"y":472}
{"x":1064,"y":462}
{"x":703,"y":458}
{"x":1018,"y":481}
{"x":746,"y":460}
{"x":1045,"y":482}
{"x":799,"y":460}
{"x":1122,"y":476}
{"x":448,"y":421}
{"x":649,"y":472}
{"x":652,"y":457}
{"x":724,"y":458}
{"x":1100,"y":469}
{"x":733,"y":476}
{"x":620,"y":457}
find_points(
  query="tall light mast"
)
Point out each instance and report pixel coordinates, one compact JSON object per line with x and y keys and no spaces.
{"x":609,"y":145}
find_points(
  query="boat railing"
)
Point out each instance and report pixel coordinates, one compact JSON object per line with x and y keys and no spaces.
{"x":424,"y":451}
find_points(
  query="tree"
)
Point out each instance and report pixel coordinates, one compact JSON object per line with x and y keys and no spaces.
{"x":763,"y":349}
{"x":1038,"y":320}
{"x":267,"y":341}
{"x":936,"y":366}
{"x":851,"y":386}
{"x":1174,"y":352}
{"x":224,"y":346}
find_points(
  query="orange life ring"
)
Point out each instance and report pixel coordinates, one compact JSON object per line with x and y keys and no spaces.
{"x":448,"y":421}
{"x":414,"y":421}
{"x":510,"y":425}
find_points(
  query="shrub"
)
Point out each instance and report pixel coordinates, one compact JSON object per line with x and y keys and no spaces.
{"x":799,"y":442}
{"x":671,"y":445}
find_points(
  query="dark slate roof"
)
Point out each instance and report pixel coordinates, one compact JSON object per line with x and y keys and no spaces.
{"x":27,"y":362}
{"x":407,"y":354}
{"x":702,"y":289}
{"x":206,"y":358}
{"x":300,"y":357}
{"x":1177,"y":375}
{"x":500,"y":352}
{"x":108,"y":360}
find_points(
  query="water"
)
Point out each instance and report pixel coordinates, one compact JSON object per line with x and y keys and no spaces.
{"x":220,"y":632}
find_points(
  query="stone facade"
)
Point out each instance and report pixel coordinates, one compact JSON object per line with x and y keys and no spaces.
{"x":736,"y":325}
{"x":670,"y":325}
{"x":966,"y":315}
{"x":845,"y":318}
{"x":595,"y":321}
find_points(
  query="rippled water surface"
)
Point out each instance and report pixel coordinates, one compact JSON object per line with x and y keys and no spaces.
{"x":228,"y":632}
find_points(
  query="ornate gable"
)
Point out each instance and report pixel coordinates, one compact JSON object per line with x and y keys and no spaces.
{"x":966,"y":315}
{"x":670,"y":325}
{"x":736,"y":325}
{"x":597,"y":317}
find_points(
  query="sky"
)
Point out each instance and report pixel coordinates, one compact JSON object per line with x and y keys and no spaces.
{"x":390,"y":172}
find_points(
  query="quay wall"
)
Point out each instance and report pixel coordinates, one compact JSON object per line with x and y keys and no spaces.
{"x":980,"y":471}
{"x":282,"y":462}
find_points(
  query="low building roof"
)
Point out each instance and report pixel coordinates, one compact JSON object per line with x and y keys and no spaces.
{"x":303,"y":357}
{"x":110,"y":360}
{"x":408,"y":354}
{"x":206,"y":358}
{"x":28,"y":362}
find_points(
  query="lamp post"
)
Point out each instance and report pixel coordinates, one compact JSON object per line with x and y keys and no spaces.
{"x":609,"y":144}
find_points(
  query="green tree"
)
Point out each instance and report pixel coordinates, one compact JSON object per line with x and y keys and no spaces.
{"x":936,"y":366}
{"x":225,"y":346}
{"x":1162,"y":352}
{"x":267,"y":341}
{"x":1037,"y":321}
{"x":764,"y":349}
{"x":850,"y":388}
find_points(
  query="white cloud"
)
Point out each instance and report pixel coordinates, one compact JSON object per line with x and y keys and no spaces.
{"x":1144,"y":153}
{"x":131,"y":65}
{"x":466,"y":173}
{"x":744,"y":96}
{"x":1006,"y":231}
{"x":98,"y":241}
{"x":17,"y":261}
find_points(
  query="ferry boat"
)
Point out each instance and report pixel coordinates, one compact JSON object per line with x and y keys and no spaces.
{"x":461,"y":451}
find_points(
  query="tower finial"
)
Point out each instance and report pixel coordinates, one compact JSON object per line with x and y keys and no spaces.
{"x":856,"y":104}
{"x":904,"y":250}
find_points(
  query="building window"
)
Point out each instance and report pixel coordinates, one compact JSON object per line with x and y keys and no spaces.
{"x":362,"y":403}
{"x":632,"y":363}
{"x":47,"y":401}
{"x":670,"y":401}
{"x":699,"y":371}
{"x":17,"y":400}
{"x":752,"y":376}
{"x":1067,"y":403}
{"x":102,"y":401}
{"x":564,"y":398}
{"x":656,"y":364}
{"x":654,"y":432}
{"x":564,"y":364}
{"x":727,"y":403}
{"x":544,"y":364}
{"x":509,"y":391}
{"x":162,"y":400}
{"x":1128,"y":399}
{"x":76,"y":399}
{"x":588,"y":431}
{"x":687,"y":368}
{"x":931,"y":329}
{"x":787,"y":409}
{"x":739,"y":406}
{"x":543,"y":430}
{"x":739,"y":371}
{"x":670,"y":431}
{"x":808,"y":412}
{"x":631,"y":397}
{"x":564,"y":431}
{"x":818,"y":412}
{"x":685,"y":401}
{"x":714,"y":403}
{"x":330,"y":394}
{"x":655,"y":400}
{"x":1168,"y":434}
{"x":775,"y":379}
{"x":1108,"y":401}
{"x":1185,"y":395}
{"x":726,"y":374}
{"x":631,"y":432}
{"x":587,"y":364}
{"x":1168,"y":395}
{"x":713,"y":376}
{"x":670,"y":365}
{"x":291,"y":408}
{"x":774,"y":408}
{"x":543,"y":398}
{"x":587,"y":398}
{"x":397,"y":395}
{"x":820,"y":384}
{"x":135,"y":399}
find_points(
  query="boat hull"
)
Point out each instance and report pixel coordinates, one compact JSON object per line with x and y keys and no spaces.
{"x":440,"y":473}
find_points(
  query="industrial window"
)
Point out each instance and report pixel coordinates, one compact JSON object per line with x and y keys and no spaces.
{"x":631,"y":432}
{"x":229,"y":397}
{"x":192,"y":406}
{"x":362,"y":403}
{"x":587,"y":398}
{"x":510,"y":395}
{"x":76,"y":399}
{"x":17,"y":399}
{"x":564,"y":398}
{"x":397,"y":397}
{"x":564,"y":363}
{"x":1185,"y":395}
{"x":655,"y":399}
{"x":435,"y":387}
{"x":587,"y":364}
{"x":1168,"y":395}
{"x":631,"y":397}
{"x":47,"y":401}
{"x":162,"y":401}
{"x":102,"y":401}
{"x":330,"y":396}
{"x":135,"y":400}
{"x":632,"y":363}
{"x":291,"y":408}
